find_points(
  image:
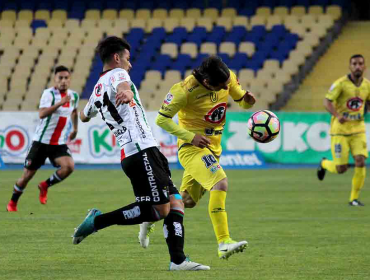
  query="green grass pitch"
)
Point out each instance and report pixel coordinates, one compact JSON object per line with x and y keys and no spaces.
{"x":296,"y":226}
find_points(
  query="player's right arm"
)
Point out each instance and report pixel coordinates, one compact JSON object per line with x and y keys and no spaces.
{"x":175,"y":100}
{"x":334,"y":92}
{"x":46,"y":108}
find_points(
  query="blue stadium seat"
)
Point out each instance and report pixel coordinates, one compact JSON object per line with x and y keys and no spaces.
{"x":10,"y":6}
{"x":291,"y":38}
{"x":146,"y":4}
{"x":225,"y":58}
{"x":197,"y":4}
{"x":164,"y":4}
{"x":248,"y":11}
{"x":29,"y":5}
{"x":135,"y":35}
{"x":323,"y":3}
{"x":152,"y":44}
{"x":265,"y":46}
{"x":162,"y":63}
{"x":129,"y":4}
{"x":280,"y":30}
{"x":159,"y":32}
{"x":96,"y":5}
{"x":216,"y":35}
{"x":239,"y":61}
{"x":37,"y":24}
{"x":272,"y":39}
{"x":234,"y":4}
{"x":77,"y":14}
{"x":198,"y":60}
{"x":178,"y":36}
{"x":281,"y":57}
{"x":45,"y":6}
{"x":180,"y":4}
{"x":198,"y":35}
{"x":287,"y":3}
{"x":305,"y":3}
{"x":182,"y":62}
{"x":236,"y":35}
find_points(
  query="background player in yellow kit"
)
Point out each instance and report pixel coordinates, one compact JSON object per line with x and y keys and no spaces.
{"x":201,"y":102}
{"x":345,"y":101}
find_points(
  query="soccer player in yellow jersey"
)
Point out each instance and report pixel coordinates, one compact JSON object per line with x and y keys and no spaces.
{"x":201,"y":102}
{"x":345,"y":101}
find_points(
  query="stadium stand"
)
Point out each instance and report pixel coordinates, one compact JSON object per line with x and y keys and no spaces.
{"x":265,"y":42}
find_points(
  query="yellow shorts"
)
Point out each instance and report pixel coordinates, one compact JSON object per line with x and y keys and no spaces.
{"x":342,"y":145}
{"x":202,"y":171}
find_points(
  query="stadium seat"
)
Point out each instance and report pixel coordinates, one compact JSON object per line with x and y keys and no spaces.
{"x":225,"y":22}
{"x":229,"y":12}
{"x":211,"y":13}
{"x":153,"y":23}
{"x":59,"y":14}
{"x":281,"y":11}
{"x":263,"y":11}
{"x":315,"y":10}
{"x":190,"y":49}
{"x":25,"y":15}
{"x":188,"y":23}
{"x":153,"y":75}
{"x":55,"y":23}
{"x":273,"y":20}
{"x":172,"y":75}
{"x":6,"y":24}
{"x":228,"y":48}
{"x":298,"y":11}
{"x":144,"y":14}
{"x":257,"y":20}
{"x":325,"y":21}
{"x":247,"y":48}
{"x":240,"y":21}
{"x":127,"y":14}
{"x":206,"y":23}
{"x":170,"y":24}
{"x":308,"y":21}
{"x":169,"y":49}
{"x":208,"y":48}
{"x":161,"y":14}
{"x":9,"y":15}
{"x":334,"y":11}
{"x":92,"y":14}
{"x":111,"y":14}
{"x":42,"y":15}
{"x":138,"y":23}
{"x":176,"y":14}
{"x":193,"y":13}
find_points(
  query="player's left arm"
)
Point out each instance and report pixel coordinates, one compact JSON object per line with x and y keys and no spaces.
{"x":90,"y":110}
{"x":245,"y":99}
{"x":74,"y":118}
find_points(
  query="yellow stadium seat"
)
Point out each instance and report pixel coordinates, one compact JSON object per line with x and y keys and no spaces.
{"x":59,"y":14}
{"x":312,"y":39}
{"x":6,"y":24}
{"x":225,"y":22}
{"x":77,"y":34}
{"x":160,"y":14}
{"x":153,"y":75}
{"x":281,"y":11}
{"x":308,"y":21}
{"x":74,"y":42}
{"x":240,"y":21}
{"x":151,"y":84}
{"x":32,"y":52}
{"x":273,"y":20}
{"x":42,"y":15}
{"x":298,"y":11}
{"x":190,"y":49}
{"x":290,"y":67}
{"x":248,"y":48}
{"x":25,"y":15}
{"x":205,"y":22}
{"x":144,"y":14}
{"x":115,"y":31}
{"x":188,"y":73}
{"x":88,"y":24}
{"x":177,"y":13}
{"x":271,"y":64}
{"x":127,"y":14}
{"x":22,"y":23}
{"x":335,"y":11}
{"x":171,"y":23}
{"x":55,"y":23}
{"x":326,"y":21}
{"x":319,"y":30}
{"x":263,"y":11}
{"x":153,"y":23}
{"x":9,"y":15}
{"x":211,"y":13}
{"x":43,"y":32}
{"x":122,"y":24}
{"x":6,"y":71}
{"x":173,"y":75}
{"x":11,"y":53}
{"x":291,"y":20}
{"x":110,"y":14}
{"x":299,"y":30}
{"x":92,"y":14}
{"x":257,"y":20}
{"x":246,"y":74}
{"x":275,"y":87}
{"x":188,"y":23}
{"x":208,"y":48}
{"x":194,"y":13}
{"x":12,"y":104}
{"x":297,"y":57}
{"x":283,"y":77}
{"x":60,"y":32}
{"x":40,"y":43}
{"x":72,"y":24}
{"x":21,"y":43}
{"x":229,"y":12}
{"x":55,"y":41}
{"x":138,"y":23}
{"x":227,"y":47}
{"x":315,"y":10}
{"x":170,"y":49}
{"x":25,"y":32}
{"x":105,"y":24}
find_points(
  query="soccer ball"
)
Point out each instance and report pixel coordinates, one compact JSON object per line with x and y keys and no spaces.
{"x":263,"y":126}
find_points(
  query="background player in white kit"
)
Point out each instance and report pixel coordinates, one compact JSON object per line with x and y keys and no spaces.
{"x":116,"y":99}
{"x":58,"y":105}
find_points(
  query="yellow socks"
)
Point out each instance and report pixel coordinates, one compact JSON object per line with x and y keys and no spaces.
{"x":217,"y":212}
{"x":357,"y":182}
{"x":329,"y":165}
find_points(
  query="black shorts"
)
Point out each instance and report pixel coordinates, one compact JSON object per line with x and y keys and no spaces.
{"x":150,"y":176}
{"x":39,"y":152}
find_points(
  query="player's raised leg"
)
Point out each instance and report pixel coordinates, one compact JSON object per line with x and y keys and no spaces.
{"x":18,"y":189}
{"x":60,"y":157}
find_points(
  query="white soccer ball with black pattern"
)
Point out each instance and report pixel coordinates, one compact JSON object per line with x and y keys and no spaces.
{"x":263,"y":126}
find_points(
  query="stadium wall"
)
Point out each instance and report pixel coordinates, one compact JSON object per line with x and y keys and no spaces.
{"x":304,"y":138}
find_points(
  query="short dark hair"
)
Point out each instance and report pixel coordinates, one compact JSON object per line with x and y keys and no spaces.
{"x":213,"y":69}
{"x":111,"y":45}
{"x":61,"y":68}
{"x":356,"y":56}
